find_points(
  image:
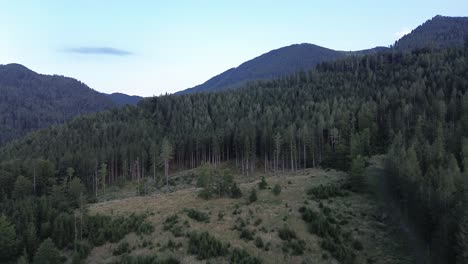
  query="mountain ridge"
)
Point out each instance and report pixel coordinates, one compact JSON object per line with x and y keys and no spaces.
{"x":439,"y":32}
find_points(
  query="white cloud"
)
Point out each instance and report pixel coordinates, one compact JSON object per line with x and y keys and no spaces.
{"x":403,"y":31}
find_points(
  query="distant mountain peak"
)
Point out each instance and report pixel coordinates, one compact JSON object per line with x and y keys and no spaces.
{"x":275,"y":63}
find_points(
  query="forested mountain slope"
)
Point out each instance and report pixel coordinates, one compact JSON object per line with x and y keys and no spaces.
{"x":121,"y":99}
{"x":413,"y":105}
{"x":438,"y":32}
{"x":273,"y":64}
{"x":29,"y":101}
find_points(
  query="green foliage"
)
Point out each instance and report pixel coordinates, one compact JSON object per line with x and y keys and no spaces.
{"x":294,"y":247}
{"x":8,"y":242}
{"x":105,"y":228}
{"x":259,"y":242}
{"x":357,"y":178}
{"x":47,"y":253}
{"x":122,"y":248}
{"x":205,"y":246}
{"x":241,"y":256}
{"x":172,"y":224}
{"x":23,"y":187}
{"x":286,"y":233}
{"x":197,"y":215}
{"x":328,"y":191}
{"x":246,"y":234}
{"x":153,"y":259}
{"x":235,"y":191}
{"x":334,"y":240}
{"x":76,"y":191}
{"x":276,"y":189}
{"x":253,"y":196}
{"x":262,"y":185}
{"x":217,"y":183}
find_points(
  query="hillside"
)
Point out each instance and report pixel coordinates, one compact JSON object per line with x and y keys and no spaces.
{"x":121,"y":99}
{"x":438,"y":32}
{"x":30,"y":101}
{"x":273,"y":64}
{"x":256,"y":228}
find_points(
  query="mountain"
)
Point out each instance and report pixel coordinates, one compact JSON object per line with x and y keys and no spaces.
{"x":276,"y":63}
{"x":29,"y":101}
{"x":438,"y":32}
{"x":121,"y":99}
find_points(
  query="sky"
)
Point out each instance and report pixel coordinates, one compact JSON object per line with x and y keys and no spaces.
{"x":155,"y":47}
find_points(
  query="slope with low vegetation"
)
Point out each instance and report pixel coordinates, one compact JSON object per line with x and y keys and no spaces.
{"x":273,"y":228}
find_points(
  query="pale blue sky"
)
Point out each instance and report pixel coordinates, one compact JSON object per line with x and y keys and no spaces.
{"x":152,"y":47}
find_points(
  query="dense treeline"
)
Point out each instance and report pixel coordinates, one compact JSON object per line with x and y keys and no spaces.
{"x":416,"y":102}
{"x":438,"y":32}
{"x":30,"y":101}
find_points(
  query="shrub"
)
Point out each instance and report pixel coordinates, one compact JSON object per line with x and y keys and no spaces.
{"x":325,"y":192}
{"x":197,"y":215}
{"x":205,"y":246}
{"x":235,"y":191}
{"x":106,"y":228}
{"x":285,"y":233}
{"x":342,"y":253}
{"x":253,"y":196}
{"x":356,"y":180}
{"x":241,"y":256}
{"x":122,"y":248}
{"x":276,"y":189}
{"x":154,"y":259}
{"x":294,"y":247}
{"x":171,"y":224}
{"x":259,"y":242}
{"x":246,"y":234}
{"x":262,"y":185}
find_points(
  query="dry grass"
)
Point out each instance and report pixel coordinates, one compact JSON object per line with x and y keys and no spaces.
{"x":274,"y":211}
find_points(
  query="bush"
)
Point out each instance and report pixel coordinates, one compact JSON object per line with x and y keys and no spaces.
{"x":154,"y":259}
{"x":246,"y":234}
{"x":285,"y":233}
{"x":276,"y":189}
{"x":235,"y":191}
{"x":197,"y":215}
{"x":122,"y":248}
{"x":262,"y":185}
{"x":205,"y":246}
{"x":106,"y":228}
{"x":356,"y":180}
{"x":172,"y":224}
{"x":325,"y":192}
{"x":259,"y":242}
{"x":294,"y":247}
{"x":241,"y":256}
{"x":253,"y":196}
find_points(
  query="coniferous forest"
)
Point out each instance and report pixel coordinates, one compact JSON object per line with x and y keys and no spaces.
{"x":411,"y":106}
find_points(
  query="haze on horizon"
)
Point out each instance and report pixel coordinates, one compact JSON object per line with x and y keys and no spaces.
{"x":150,"y":48}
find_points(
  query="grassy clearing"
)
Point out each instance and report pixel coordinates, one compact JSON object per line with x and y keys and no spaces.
{"x":270,"y":229}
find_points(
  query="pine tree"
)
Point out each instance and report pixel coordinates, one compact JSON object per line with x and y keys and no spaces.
{"x":166,"y":155}
{"x":47,"y":253}
{"x":8,"y":240}
{"x":357,"y":177}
